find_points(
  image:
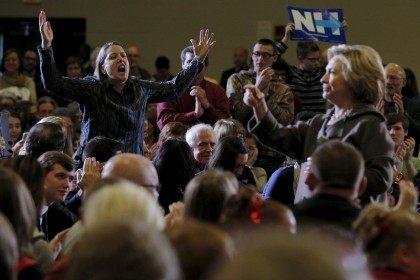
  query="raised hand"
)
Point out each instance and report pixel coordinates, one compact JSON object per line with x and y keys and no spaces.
{"x":198,"y":110}
{"x":90,"y":173}
{"x":263,"y":79}
{"x":45,"y":30}
{"x":204,"y":45}
{"x":289,"y":28}
{"x":399,"y":105}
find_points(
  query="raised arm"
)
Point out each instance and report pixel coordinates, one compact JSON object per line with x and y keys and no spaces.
{"x":73,"y":89}
{"x":167,"y":91}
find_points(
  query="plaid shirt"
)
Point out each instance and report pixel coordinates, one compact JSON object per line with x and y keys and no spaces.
{"x":115,"y":116}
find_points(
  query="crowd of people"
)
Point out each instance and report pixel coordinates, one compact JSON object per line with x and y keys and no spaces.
{"x":126,"y":175}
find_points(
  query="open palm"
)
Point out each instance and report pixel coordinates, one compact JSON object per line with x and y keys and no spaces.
{"x":204,"y":45}
{"x":45,"y":30}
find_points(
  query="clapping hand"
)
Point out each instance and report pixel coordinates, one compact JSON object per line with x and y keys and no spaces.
{"x":90,"y":173}
{"x":45,"y":30}
{"x":204,"y":45}
{"x":263,"y":79}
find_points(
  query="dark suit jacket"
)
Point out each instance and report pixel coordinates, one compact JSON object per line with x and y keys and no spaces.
{"x":56,"y":219}
{"x":326,"y":209}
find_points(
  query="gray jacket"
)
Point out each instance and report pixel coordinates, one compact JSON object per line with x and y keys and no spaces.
{"x":363,"y":127}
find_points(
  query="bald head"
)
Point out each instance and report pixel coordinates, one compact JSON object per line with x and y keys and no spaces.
{"x":395,"y":79}
{"x":133,"y":55}
{"x":135,"y":168}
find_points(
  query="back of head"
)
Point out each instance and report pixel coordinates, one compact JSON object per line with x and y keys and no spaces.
{"x":382,"y":230}
{"x":122,"y":201}
{"x":228,"y":127}
{"x":363,"y":71}
{"x":174,"y":163}
{"x":226,"y":151}
{"x":337,"y":164}
{"x":30,"y":170}
{"x":173,"y":130}
{"x":102,"y":148}
{"x":9,"y":254}
{"x":124,"y":251}
{"x":277,"y":255}
{"x":247,"y":209}
{"x":44,"y":137}
{"x":17,"y":205}
{"x":206,"y":195}
{"x":135,"y":168}
{"x":199,"y":246}
{"x":162,"y":62}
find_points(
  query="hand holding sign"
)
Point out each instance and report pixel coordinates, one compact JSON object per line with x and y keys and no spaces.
{"x":317,"y":25}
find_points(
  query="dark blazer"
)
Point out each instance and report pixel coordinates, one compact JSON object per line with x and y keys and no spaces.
{"x":56,"y":219}
{"x":326,"y":209}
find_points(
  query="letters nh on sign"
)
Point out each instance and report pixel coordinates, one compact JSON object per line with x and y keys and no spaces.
{"x":317,"y":24}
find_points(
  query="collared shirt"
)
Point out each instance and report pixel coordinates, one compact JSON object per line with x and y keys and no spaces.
{"x":110,"y":113}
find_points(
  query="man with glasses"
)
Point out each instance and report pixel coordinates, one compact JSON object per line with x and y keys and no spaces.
{"x":278,"y":96}
{"x":394,"y":101}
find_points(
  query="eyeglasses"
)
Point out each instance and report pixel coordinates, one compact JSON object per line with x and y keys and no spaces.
{"x":263,"y":54}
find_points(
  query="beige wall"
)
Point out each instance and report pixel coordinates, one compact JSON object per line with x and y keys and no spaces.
{"x":164,"y":27}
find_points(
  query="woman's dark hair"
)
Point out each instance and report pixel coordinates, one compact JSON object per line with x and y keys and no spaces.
{"x":206,"y":195}
{"x":7,"y":52}
{"x":225,"y":153}
{"x":32,"y":174}
{"x":174,"y":163}
{"x":103,"y":77}
{"x":17,"y":205}
{"x":27,"y":119}
{"x":410,"y":89}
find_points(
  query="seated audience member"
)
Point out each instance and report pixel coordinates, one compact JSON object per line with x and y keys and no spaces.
{"x":274,"y":254}
{"x":410,"y":88}
{"x":405,"y":164}
{"x":162,"y":65}
{"x":200,"y":247}
{"x":28,"y":114}
{"x":282,"y":184}
{"x":101,"y":148}
{"x":246,"y":209}
{"x":259,"y":173}
{"x":172,"y":130}
{"x":174,"y":163}
{"x":335,"y":184}
{"x":228,"y":127}
{"x":9,"y":254}
{"x":150,"y":138}
{"x":58,"y":169}
{"x":394,"y":101}
{"x":7,"y":100}
{"x":30,"y":170}
{"x":205,"y":102}
{"x":45,"y":105}
{"x":206,"y":195}
{"x":124,"y":251}
{"x":44,"y":137}
{"x":231,"y":154}
{"x":13,"y":80}
{"x":30,"y":69}
{"x":391,"y":239}
{"x":122,"y":201}
{"x":15,"y":128}
{"x":135,"y":168}
{"x":73,"y":67}
{"x":17,"y":205}
{"x":66,"y":126}
{"x":133,"y":55}
{"x":305,"y":78}
{"x":201,"y":138}
{"x":240,"y":60}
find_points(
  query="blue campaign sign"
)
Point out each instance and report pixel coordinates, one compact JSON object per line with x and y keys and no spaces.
{"x":317,"y":25}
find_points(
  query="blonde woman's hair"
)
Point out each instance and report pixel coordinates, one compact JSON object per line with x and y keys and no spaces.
{"x":363,"y":70}
{"x":382,"y":229}
{"x":122,"y":201}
